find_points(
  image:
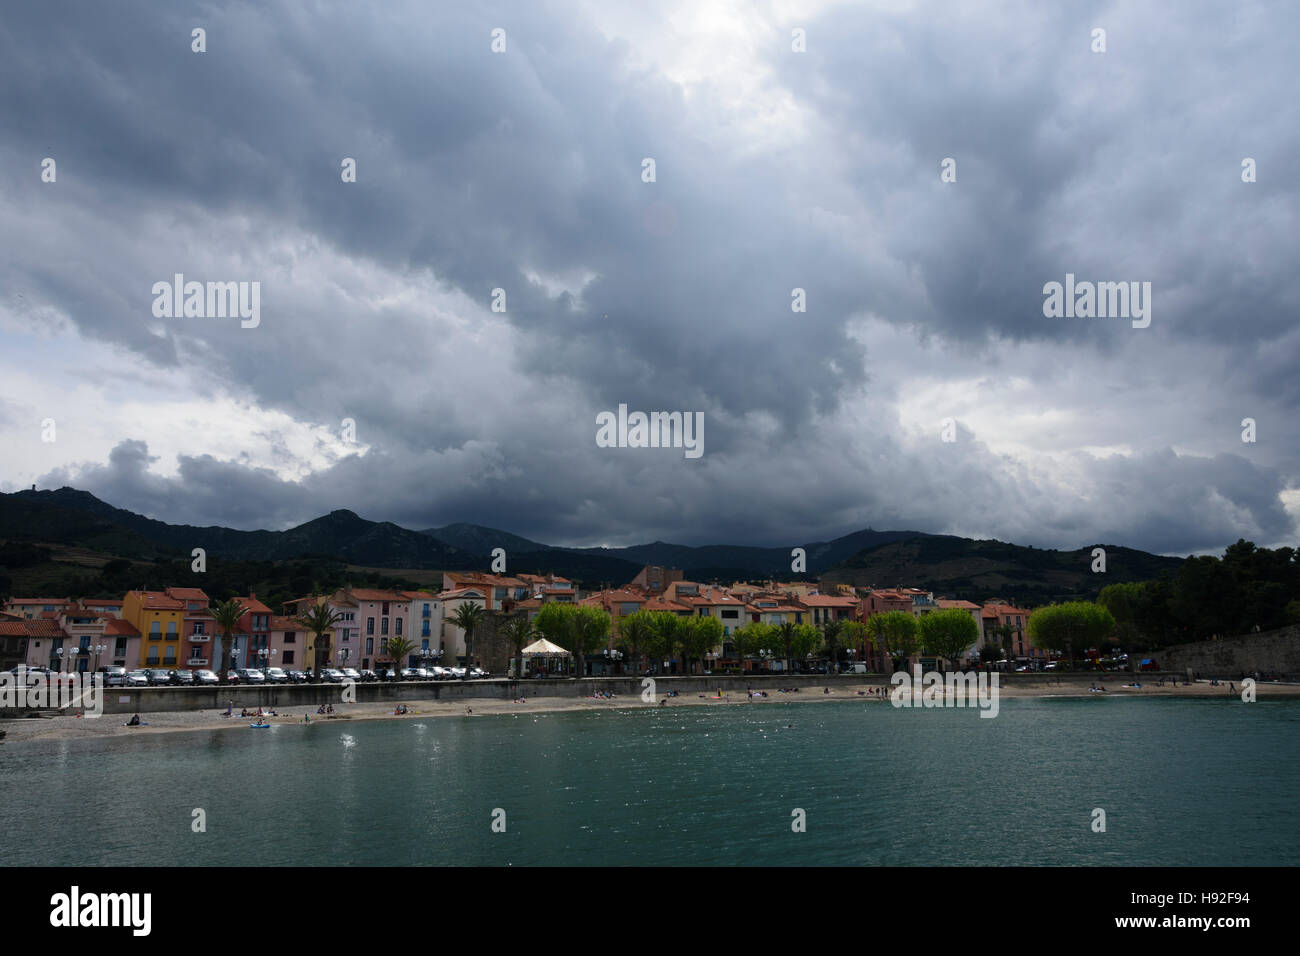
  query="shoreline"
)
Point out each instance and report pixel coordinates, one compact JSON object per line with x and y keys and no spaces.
{"x":24,"y":730}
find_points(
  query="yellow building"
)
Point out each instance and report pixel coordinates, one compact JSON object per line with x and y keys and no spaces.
{"x":159,"y":619}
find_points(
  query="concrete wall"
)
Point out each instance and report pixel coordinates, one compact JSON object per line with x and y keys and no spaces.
{"x":1270,"y":651}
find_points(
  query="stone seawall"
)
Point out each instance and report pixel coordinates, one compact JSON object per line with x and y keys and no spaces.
{"x":119,"y":700}
{"x":1267,"y":652}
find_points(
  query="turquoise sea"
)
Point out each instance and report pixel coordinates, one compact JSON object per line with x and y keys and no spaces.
{"x":1182,"y":782}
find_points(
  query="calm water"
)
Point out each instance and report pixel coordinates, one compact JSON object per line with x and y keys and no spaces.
{"x":1183,"y":782}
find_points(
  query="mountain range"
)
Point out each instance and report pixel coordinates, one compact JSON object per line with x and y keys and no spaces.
{"x":957,"y":567}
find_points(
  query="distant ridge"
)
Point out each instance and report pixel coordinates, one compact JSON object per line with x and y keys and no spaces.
{"x":954,"y":566}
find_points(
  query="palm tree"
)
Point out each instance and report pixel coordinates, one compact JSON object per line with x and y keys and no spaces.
{"x":831,"y":631}
{"x":320,"y":620}
{"x":518,"y":630}
{"x":785,"y":632}
{"x":226,"y":617}
{"x":468,"y":617}
{"x":398,"y":648}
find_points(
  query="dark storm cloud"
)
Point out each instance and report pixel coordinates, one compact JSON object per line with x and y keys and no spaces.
{"x":476,"y":170}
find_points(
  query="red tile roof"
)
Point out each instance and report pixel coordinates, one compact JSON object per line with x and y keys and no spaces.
{"x":117,"y":627}
{"x":253,"y":606}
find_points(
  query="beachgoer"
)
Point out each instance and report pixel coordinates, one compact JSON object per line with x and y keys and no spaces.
{"x":134,"y":721}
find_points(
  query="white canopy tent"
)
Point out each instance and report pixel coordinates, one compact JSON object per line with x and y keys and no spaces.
{"x":544,"y":648}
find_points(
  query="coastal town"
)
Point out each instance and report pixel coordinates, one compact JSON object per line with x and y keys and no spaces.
{"x":410,"y":634}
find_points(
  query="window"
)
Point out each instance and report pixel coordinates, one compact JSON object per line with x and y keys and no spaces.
{"x":383,"y":625}
{"x":171,"y":630}
{"x":425,"y":632}
{"x":426,"y":611}
{"x":384,"y":610}
{"x":730,"y":614}
{"x":171,"y":654}
{"x":198,"y":627}
{"x":155,"y":630}
{"x":120,"y":649}
{"x":288,"y":657}
{"x":153,"y":657}
{"x":370,"y":625}
{"x":398,"y":626}
{"x":370,"y":645}
{"x":290,"y":637}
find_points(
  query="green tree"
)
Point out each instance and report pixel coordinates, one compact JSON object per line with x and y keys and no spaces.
{"x":518,"y":630}
{"x":663,"y":635}
{"x":633,"y":636}
{"x":468,"y":617}
{"x":855,"y":634}
{"x":896,"y":633}
{"x":399,"y":648}
{"x":947,"y":633}
{"x":225,"y":617}
{"x":590,"y":632}
{"x":320,"y":620}
{"x":699,"y":636}
{"x":1070,"y":626}
{"x":807,"y":642}
{"x":832,"y":635}
{"x":751,"y":639}
{"x":785,"y":633}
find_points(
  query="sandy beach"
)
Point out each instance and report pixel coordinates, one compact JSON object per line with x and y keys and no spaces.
{"x":71,"y":727}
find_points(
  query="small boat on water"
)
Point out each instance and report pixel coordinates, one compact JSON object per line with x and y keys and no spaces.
{"x":259,"y":726}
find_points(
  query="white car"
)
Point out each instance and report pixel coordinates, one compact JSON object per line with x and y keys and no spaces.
{"x":251,"y":675}
{"x":332,"y":675}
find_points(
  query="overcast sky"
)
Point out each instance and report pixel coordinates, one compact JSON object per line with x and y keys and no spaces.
{"x":774,"y":169}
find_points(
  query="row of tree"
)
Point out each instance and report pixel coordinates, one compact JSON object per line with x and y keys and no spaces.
{"x":1248,"y":589}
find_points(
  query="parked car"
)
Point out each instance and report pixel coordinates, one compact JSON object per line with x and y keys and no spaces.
{"x":299,"y":677}
{"x":388,"y":674}
{"x":331,"y":675}
{"x":478,"y":672}
{"x":182,"y":678}
{"x":137,"y":678}
{"x":440,"y":673}
{"x":158,"y":677}
{"x":351,"y":673}
{"x":114,"y":676}
{"x":251,"y":675}
{"x":368,"y":676}
{"x":206,"y":679}
{"x":407,"y":673}
{"x":276,"y":675}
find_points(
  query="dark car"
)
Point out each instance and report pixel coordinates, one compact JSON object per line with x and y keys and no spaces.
{"x":158,"y":678}
{"x":368,"y":676}
{"x":275,"y":675}
{"x":182,"y":678}
{"x":299,"y":677}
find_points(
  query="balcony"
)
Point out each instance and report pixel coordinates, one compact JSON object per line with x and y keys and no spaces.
{"x":197,"y":662}
{"x":198,"y":638}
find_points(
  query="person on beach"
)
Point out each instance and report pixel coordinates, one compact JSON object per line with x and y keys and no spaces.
{"x":230,"y":707}
{"x":134,"y":721}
